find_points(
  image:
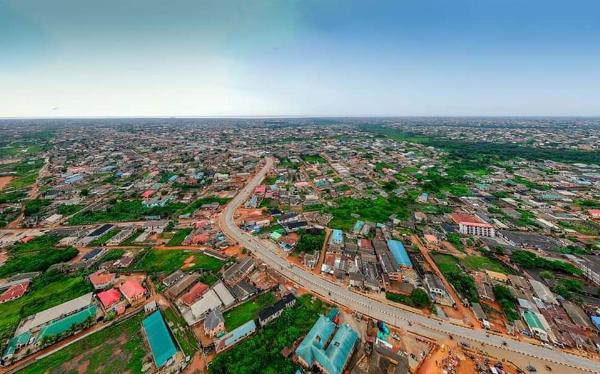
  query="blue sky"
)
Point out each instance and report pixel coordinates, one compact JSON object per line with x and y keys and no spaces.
{"x":299,"y":57}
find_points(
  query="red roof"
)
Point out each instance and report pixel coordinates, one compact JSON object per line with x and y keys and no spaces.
{"x":200,"y":238}
{"x":147,"y":194}
{"x":101,"y":278}
{"x":14,"y":292}
{"x":132,"y":289}
{"x":594,"y":212}
{"x":260,"y":189}
{"x":194,"y":293}
{"x":468,"y":219}
{"x":109,"y":297}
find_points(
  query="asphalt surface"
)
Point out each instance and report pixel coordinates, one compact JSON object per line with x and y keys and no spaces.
{"x":501,"y":347}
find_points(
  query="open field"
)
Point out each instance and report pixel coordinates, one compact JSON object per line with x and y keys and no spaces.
{"x":5,"y":181}
{"x":167,"y":261}
{"x":36,"y":255}
{"x":179,"y":237}
{"x":483,"y":263}
{"x":247,"y":311}
{"x":116,"y":349}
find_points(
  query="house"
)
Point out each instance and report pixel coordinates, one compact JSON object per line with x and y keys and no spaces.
{"x":269,"y":313}
{"x":194,"y":293}
{"x":183,"y":284}
{"x":14,"y":292}
{"x":101,"y":279}
{"x":133,"y":290}
{"x":239,"y":270}
{"x":594,"y":213}
{"x":235,"y":336}
{"x":214,"y":323}
{"x":173,"y":278}
{"x":109,"y":298}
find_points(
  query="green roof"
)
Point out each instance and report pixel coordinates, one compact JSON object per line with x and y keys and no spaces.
{"x":275,"y":235}
{"x":159,"y":338}
{"x":335,"y":357}
{"x":59,"y":326}
{"x":532,"y":320}
{"x":17,"y":341}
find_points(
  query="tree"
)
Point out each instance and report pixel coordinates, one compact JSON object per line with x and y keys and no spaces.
{"x":84,"y":192}
{"x":420,"y":298}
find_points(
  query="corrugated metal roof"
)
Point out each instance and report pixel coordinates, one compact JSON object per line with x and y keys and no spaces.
{"x":159,"y":338}
{"x":62,"y":325}
{"x":399,"y":253}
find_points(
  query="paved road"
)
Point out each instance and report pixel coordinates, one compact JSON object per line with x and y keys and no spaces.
{"x":518,"y":352}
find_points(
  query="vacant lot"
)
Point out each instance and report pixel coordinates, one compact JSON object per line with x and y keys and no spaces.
{"x":247,"y":311}
{"x":179,"y":237}
{"x":116,"y":349}
{"x":36,"y":255}
{"x":484,"y":263}
{"x":167,"y":261}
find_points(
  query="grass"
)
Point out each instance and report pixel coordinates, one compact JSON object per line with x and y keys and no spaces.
{"x":106,"y":237}
{"x":313,"y":159}
{"x":480,"y":262}
{"x":247,"y":311}
{"x":45,"y":292}
{"x":36,"y":255}
{"x":116,"y":349}
{"x":130,"y":240}
{"x":179,"y":237}
{"x":185,"y":337}
{"x":113,"y":255}
{"x":125,"y":210}
{"x":168,"y":261}
{"x":446,"y":263}
{"x":261,"y":353}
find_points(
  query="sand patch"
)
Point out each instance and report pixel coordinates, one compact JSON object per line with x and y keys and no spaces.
{"x":4,"y":181}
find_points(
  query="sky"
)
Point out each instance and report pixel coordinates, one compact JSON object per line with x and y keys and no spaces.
{"x":64,"y":58}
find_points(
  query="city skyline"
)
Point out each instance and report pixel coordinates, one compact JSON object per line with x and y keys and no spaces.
{"x":214,"y":59}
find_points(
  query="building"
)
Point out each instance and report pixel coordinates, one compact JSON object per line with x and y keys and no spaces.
{"x":66,"y":324}
{"x":183,"y":284}
{"x":159,"y":339}
{"x":399,"y":253}
{"x":269,"y":313}
{"x":133,"y":290}
{"x":336,"y":238}
{"x":238,"y":271}
{"x":194,"y":293}
{"x":101,"y":279}
{"x":542,"y":292}
{"x":59,"y":311}
{"x":14,"y":292}
{"x":331,"y":355}
{"x":534,"y":325}
{"x":472,"y":225}
{"x":590,"y":265}
{"x":435,"y":286}
{"x":214,"y":323}
{"x":235,"y":336}
{"x":109,"y":298}
{"x":173,"y":278}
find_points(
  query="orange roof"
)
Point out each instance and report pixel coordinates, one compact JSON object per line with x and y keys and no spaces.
{"x":194,"y":293}
{"x":101,"y":278}
{"x":468,"y":219}
{"x":109,"y":298}
{"x":147,"y":194}
{"x":14,"y":292}
{"x":594,"y":212}
{"x":132,"y":289}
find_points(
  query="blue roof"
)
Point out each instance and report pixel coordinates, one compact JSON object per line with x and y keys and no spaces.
{"x":596,"y":321}
{"x":159,"y":338}
{"x":337,"y":237}
{"x":358,"y":226}
{"x":399,"y":253}
{"x":240,"y":332}
{"x":333,"y":358}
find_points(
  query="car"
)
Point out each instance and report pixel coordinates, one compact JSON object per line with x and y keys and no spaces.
{"x":531,"y":369}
